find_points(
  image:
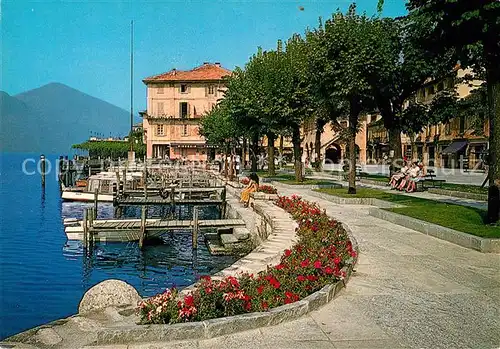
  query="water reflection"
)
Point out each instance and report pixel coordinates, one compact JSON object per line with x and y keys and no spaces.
{"x":168,"y":263}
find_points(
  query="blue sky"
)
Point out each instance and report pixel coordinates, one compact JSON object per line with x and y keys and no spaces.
{"x":86,"y":44}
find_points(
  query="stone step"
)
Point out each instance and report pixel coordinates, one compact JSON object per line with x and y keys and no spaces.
{"x":241,"y":233}
{"x":228,"y":239}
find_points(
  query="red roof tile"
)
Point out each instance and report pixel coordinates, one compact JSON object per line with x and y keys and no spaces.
{"x":206,"y":71}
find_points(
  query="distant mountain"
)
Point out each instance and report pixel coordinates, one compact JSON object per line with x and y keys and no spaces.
{"x":51,"y":118}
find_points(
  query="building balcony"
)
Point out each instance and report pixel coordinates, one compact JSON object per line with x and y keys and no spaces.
{"x":170,"y":120}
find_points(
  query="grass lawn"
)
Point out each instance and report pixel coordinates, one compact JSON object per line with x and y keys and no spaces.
{"x":465,"y":188}
{"x":286,"y":178}
{"x":466,"y":219}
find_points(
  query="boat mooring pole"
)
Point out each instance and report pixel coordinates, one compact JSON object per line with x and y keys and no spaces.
{"x":85,"y":227}
{"x":143,"y":225}
{"x":96,"y":196}
{"x":42,"y":169}
{"x":195,"y":227}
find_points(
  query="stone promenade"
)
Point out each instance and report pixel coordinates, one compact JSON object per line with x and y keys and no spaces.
{"x":410,"y":291}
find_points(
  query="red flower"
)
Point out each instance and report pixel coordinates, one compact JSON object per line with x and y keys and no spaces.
{"x":353,"y":254}
{"x":260,"y":289}
{"x":301,"y":278}
{"x":312,"y":277}
{"x":337,"y":260}
{"x":288,"y":252}
{"x":189,"y":300}
{"x":280,"y":266}
{"x":317,"y":264}
{"x":275,"y":283}
{"x":264,"y":305}
{"x":305,"y":263}
{"x":328,"y":270}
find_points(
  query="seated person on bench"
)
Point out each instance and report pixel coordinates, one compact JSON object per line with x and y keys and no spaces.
{"x":252,"y":186}
{"x":415,"y":176}
{"x":397,"y":177}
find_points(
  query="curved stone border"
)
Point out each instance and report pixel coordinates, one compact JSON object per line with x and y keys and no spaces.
{"x":223,"y":326}
{"x":459,"y":194}
{"x":354,"y":201}
{"x":227,"y":325}
{"x":486,"y":245}
{"x":278,"y":184}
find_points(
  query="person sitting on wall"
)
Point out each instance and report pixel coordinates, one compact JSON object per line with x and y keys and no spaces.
{"x":252,"y":186}
{"x":399,"y":176}
{"x":414,"y":177}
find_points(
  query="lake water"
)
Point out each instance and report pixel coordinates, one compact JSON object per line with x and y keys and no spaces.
{"x":43,"y":276}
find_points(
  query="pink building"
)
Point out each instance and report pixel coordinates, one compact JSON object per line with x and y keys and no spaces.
{"x":176,"y":101}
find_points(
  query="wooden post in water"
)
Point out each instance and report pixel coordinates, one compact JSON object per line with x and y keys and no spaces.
{"x":142,"y":234}
{"x":42,"y":169}
{"x":195,"y":227}
{"x":96,"y":197}
{"x":91,"y":216}
{"x":124,"y":179}
{"x":223,"y":205}
{"x":145,"y":177}
{"x":85,"y":227}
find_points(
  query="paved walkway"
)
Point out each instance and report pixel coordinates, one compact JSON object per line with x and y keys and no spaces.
{"x":451,"y":175}
{"x":422,"y":194}
{"x":409,"y":291}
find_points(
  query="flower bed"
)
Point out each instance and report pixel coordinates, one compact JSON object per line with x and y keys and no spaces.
{"x":263,"y":188}
{"x":268,"y":189}
{"x":317,"y":259}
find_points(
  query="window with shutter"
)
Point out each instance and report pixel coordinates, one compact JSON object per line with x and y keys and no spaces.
{"x":161,"y":112}
{"x":183,"y":110}
{"x":184,"y":88}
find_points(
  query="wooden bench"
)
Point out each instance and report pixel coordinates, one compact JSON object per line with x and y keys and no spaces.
{"x":429,"y":178}
{"x":359,"y":173}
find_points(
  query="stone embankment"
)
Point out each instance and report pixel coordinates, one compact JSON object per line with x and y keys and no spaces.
{"x":107,"y":311}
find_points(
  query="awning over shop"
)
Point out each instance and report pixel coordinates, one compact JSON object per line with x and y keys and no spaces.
{"x":454,"y":147}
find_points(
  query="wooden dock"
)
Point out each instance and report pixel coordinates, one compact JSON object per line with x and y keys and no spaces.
{"x":123,"y":230}
{"x":140,"y":201}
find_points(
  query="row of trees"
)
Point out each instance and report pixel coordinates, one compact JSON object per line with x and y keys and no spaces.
{"x":353,"y":64}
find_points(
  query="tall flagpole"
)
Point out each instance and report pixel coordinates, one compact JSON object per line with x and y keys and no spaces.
{"x":131,"y":81}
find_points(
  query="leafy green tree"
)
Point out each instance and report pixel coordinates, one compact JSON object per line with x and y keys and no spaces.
{"x":239,"y":102}
{"x":400,"y":68}
{"x":340,"y":58}
{"x":220,"y":129}
{"x":471,"y":31}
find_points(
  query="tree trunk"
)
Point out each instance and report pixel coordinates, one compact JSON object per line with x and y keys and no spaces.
{"x":254,"y":151}
{"x":270,"y":154}
{"x":281,"y":146}
{"x":414,"y":151}
{"x":354,"y":111}
{"x":297,"y":154}
{"x":320,"y":124}
{"x":226,"y":164}
{"x":396,"y":147}
{"x":493,"y":86}
{"x":243,"y":162}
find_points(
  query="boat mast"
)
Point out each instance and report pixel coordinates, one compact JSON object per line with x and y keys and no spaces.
{"x":131,"y":83}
